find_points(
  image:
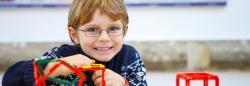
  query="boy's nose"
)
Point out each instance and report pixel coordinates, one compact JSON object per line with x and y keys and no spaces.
{"x":104,"y":37}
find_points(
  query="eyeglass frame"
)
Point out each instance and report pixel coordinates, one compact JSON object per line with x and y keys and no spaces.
{"x":100,"y":31}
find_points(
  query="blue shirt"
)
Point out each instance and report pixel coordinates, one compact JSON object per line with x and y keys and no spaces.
{"x":126,"y":62}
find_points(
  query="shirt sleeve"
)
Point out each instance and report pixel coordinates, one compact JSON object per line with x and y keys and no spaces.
{"x":134,"y":71}
{"x":19,"y":74}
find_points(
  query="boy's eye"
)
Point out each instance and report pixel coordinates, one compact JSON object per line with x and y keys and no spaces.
{"x":114,"y":29}
{"x":92,"y":30}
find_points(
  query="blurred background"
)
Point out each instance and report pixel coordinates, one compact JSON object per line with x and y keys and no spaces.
{"x":171,"y":36}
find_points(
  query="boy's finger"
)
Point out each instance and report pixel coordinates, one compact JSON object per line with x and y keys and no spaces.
{"x":97,"y":74}
{"x":86,"y":61}
{"x":93,"y":61}
{"x":98,"y":81}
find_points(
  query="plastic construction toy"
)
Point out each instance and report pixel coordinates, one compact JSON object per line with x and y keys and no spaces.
{"x":197,"y":76}
{"x":40,"y":77}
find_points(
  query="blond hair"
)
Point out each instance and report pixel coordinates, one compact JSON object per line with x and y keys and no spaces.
{"x":82,"y":11}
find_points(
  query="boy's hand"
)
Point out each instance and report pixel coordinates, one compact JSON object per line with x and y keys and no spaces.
{"x":74,"y":60}
{"x":111,"y":78}
{"x":78,"y":60}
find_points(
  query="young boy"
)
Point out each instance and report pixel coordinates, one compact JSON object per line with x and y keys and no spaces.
{"x":97,"y":28}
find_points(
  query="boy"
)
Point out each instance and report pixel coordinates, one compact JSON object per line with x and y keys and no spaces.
{"x":97,"y":28}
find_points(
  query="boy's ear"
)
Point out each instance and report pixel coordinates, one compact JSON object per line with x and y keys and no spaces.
{"x":125,"y":29}
{"x":73,"y":35}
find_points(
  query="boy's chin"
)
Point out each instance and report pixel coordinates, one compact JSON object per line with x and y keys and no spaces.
{"x":104,"y":58}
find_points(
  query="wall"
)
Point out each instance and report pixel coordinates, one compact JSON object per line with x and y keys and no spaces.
{"x":151,"y":23}
{"x":178,"y":55}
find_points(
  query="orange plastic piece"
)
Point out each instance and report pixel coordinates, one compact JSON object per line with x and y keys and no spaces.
{"x":197,"y":76}
{"x":40,"y":78}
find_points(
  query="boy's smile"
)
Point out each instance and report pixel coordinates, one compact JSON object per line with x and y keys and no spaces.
{"x":104,"y":49}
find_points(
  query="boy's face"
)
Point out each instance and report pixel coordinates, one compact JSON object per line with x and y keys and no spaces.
{"x":101,"y":38}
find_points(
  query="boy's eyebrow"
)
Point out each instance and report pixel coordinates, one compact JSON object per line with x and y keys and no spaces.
{"x":92,"y":25}
{"x":113,"y":24}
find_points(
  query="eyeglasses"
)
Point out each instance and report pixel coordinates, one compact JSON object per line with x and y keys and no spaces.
{"x":94,"y":32}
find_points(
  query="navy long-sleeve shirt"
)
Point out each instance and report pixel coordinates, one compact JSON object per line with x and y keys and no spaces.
{"x":127,"y":63}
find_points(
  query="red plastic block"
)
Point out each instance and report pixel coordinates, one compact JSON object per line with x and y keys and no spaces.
{"x":196,"y":76}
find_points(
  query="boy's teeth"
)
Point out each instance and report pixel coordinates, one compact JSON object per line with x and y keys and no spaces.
{"x":106,"y":48}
